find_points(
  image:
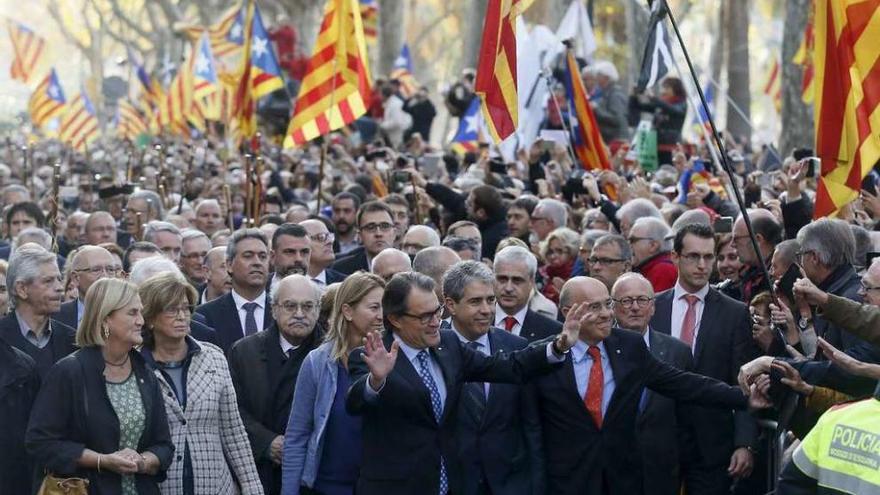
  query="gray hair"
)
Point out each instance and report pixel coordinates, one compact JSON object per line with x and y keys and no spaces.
{"x":24,"y":266}
{"x":517,"y":254}
{"x":16,"y":188}
{"x":154,"y":227}
{"x":212,"y":250}
{"x":691,"y":217}
{"x":787,"y":251}
{"x":147,"y":267}
{"x":566,"y":236}
{"x":154,"y":202}
{"x":632,"y":276}
{"x":831,"y":240}
{"x":317,"y":293}
{"x":433,"y":236}
{"x":862,"y":246}
{"x":240,"y":235}
{"x":607,"y":69}
{"x":207,"y":202}
{"x":190,"y":234}
{"x":33,"y":234}
{"x":657,"y":230}
{"x":555,"y":211}
{"x":387,"y":253}
{"x":616,"y":240}
{"x":638,"y":208}
{"x":590,"y":237}
{"x":462,"y":274}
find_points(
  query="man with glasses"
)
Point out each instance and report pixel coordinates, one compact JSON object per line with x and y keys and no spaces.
{"x":193,"y":255}
{"x":264,"y":368}
{"x":375,"y":223}
{"x":661,"y":432}
{"x":322,"y":255}
{"x":90,"y":264}
{"x":651,"y":241}
{"x":717,"y":328}
{"x":610,"y":258}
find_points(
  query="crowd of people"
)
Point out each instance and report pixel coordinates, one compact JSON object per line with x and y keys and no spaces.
{"x":396,"y":319}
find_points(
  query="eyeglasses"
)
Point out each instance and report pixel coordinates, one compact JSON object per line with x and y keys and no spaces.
{"x":868,"y":288}
{"x":294,"y":308}
{"x":98,"y":270}
{"x":413,"y":247}
{"x":372,"y":228}
{"x":641,"y":301}
{"x":694,"y":258}
{"x":172,"y":311}
{"x":799,"y":256}
{"x":604,"y":261}
{"x":633,"y":239}
{"x":194,"y":256}
{"x":427,"y":318}
{"x":599,"y":306}
{"x":323,"y":238}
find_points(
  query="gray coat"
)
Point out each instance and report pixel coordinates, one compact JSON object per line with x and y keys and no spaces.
{"x":611,"y":114}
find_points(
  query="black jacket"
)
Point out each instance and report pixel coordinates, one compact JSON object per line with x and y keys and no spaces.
{"x":73,"y":412}
{"x":222,"y":315}
{"x":538,"y":327}
{"x":61,"y":341}
{"x":351,"y":262}
{"x":67,"y":314}
{"x":402,"y":441}
{"x":332,"y":276}
{"x":19,"y":384}
{"x":492,"y":230}
{"x":264,"y":384}
{"x":579,"y":456}
{"x":668,"y":117}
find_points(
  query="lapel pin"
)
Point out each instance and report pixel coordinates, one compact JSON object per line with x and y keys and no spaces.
{"x":618,"y":351}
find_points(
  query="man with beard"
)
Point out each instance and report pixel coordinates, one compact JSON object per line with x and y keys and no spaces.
{"x":247,"y":259}
{"x":345,"y":206}
{"x":291,"y":250}
{"x":375,"y":223}
{"x":264,"y":367}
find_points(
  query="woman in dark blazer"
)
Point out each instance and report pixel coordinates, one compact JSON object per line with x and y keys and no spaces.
{"x":99,"y":414}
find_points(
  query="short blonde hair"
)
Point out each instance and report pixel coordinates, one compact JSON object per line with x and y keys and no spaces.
{"x":569,"y":239}
{"x":103,"y":298}
{"x":157,"y":293}
{"x":351,"y":292}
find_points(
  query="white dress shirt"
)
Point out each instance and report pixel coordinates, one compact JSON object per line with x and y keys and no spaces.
{"x":520,"y":317}
{"x":412,"y":353}
{"x":259,"y":311}
{"x":483,"y":346}
{"x":680,"y":307}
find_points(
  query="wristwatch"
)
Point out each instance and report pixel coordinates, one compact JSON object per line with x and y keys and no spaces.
{"x":804,"y":323}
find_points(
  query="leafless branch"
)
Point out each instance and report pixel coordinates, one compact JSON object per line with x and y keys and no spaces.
{"x":55,"y":13}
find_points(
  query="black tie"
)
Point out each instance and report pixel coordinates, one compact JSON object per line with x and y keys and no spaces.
{"x":475,"y":393}
{"x":250,"y":322}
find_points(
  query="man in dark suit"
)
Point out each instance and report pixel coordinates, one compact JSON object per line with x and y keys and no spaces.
{"x":660,"y":425}
{"x":291,"y":250}
{"x":499,"y":439}
{"x":408,"y":387}
{"x":264,"y":367}
{"x":35,"y":291}
{"x":322,"y":255}
{"x":90,"y":264}
{"x":717,"y":328}
{"x":245,"y":309}
{"x":589,"y":406}
{"x":515,"y":269}
{"x":375,"y":223}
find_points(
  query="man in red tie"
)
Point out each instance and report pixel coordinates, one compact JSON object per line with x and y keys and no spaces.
{"x":588,"y":407}
{"x":717,"y":328}
{"x":515,"y":269}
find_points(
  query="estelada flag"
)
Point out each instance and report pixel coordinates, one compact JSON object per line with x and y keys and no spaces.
{"x":28,"y":50}
{"x":847,"y":97}
{"x":47,"y":101}
{"x":585,"y":138}
{"x":79,"y":124}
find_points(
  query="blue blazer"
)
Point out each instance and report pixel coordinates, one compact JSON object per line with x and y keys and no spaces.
{"x":222,"y":315}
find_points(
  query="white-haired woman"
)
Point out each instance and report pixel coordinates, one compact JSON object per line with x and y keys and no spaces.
{"x":559,"y":251}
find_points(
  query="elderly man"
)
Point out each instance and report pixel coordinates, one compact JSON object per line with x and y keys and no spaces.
{"x":218,"y":282}
{"x":630,"y":212}
{"x":434,"y":262}
{"x":322,"y":255}
{"x":499,"y":442}
{"x":612,"y":106}
{"x":651,"y":242}
{"x":35,"y":291}
{"x":245,"y":309}
{"x":419,"y":237}
{"x":143,"y":206}
{"x":768,"y":233}
{"x":194,"y":250}
{"x":166,"y":236}
{"x":465,"y":229}
{"x":74,"y":233}
{"x":90,"y":264}
{"x":100,"y":228}
{"x":610,"y":258}
{"x":209,"y":217}
{"x":264,"y":367}
{"x":548,"y":215}
{"x":389,"y":262}
{"x":659,"y":421}
{"x":291,"y":250}
{"x":376,"y":227}
{"x":515,"y":269}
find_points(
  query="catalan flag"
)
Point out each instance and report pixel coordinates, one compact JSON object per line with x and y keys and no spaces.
{"x":585,"y":138}
{"x":336,"y":88}
{"x":773,"y":84}
{"x":496,"y":70}
{"x":226,"y":35}
{"x":47,"y":101}
{"x":804,"y":58}
{"x":467,"y":137}
{"x":177,"y":103}
{"x":265,"y":71}
{"x":28,"y":50}
{"x":204,"y":74}
{"x":403,"y":72}
{"x":130,"y":122}
{"x":847,"y":100}
{"x":79,"y":125}
{"x":370,"y":19}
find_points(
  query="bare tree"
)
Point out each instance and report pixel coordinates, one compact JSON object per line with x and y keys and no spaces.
{"x":738,"y":69}
{"x":391,"y":18}
{"x":797,"y":117}
{"x":637,"y":22}
{"x":548,"y":12}
{"x":473,"y":14}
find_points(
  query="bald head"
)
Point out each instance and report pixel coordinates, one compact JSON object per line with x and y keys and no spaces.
{"x":390,"y":261}
{"x":574,"y":292}
{"x":768,"y":232}
{"x":633,"y":298}
{"x":90,"y":264}
{"x":434,"y":262}
{"x":419,"y":237}
{"x":596,"y":323}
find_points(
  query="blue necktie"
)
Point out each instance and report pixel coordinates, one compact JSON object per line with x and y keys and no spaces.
{"x":250,"y":322}
{"x":475,"y":392}
{"x":437,"y":406}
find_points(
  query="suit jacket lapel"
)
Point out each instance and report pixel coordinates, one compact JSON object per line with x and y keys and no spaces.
{"x":405,"y":368}
{"x":659,"y":350}
{"x":232,"y":313}
{"x":570,"y":389}
{"x":441,"y":354}
{"x":619,"y":368}
{"x":706,"y":328}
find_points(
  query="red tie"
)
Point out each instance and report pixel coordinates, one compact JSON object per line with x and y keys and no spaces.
{"x":509,"y":322}
{"x":689,"y":325}
{"x":593,"y":399}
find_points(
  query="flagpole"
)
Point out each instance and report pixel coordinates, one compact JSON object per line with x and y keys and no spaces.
{"x":720,"y":143}
{"x":546,"y":75}
{"x":330,"y":121}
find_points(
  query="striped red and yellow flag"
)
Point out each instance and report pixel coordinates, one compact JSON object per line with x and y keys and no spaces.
{"x":47,"y":101}
{"x":773,"y":84}
{"x":370,"y":19}
{"x":496,"y":70}
{"x":79,"y":125}
{"x":130,"y":122}
{"x":847,"y":101}
{"x":585,"y":137}
{"x":176,"y":106}
{"x":226,"y":35}
{"x":336,"y":88}
{"x":28,"y":50}
{"x":804,"y":58}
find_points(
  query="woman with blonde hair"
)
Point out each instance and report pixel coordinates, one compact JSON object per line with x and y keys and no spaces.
{"x":559,"y":251}
{"x":322,"y":445}
{"x":213,"y":451}
{"x":99,"y":413}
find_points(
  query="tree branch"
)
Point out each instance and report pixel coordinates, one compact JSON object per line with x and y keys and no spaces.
{"x":128,"y":23}
{"x":55,"y":13}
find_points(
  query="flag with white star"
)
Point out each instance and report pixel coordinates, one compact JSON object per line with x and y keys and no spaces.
{"x":47,"y":100}
{"x":468,"y":135}
{"x":205,"y":75}
{"x":265,"y":71}
{"x":403,"y":73}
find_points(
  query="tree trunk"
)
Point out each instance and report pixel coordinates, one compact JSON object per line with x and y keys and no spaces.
{"x":391,"y":19}
{"x":797,"y":117}
{"x":716,"y":58}
{"x":637,"y":19}
{"x":306,"y":20}
{"x":474,"y":11}
{"x":738,"y":69}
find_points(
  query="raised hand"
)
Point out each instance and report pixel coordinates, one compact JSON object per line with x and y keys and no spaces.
{"x":758,"y":393}
{"x":572,"y":328}
{"x":751,"y":370}
{"x":808,"y":292}
{"x":792,"y":378}
{"x":848,"y":363}
{"x":379,"y":360}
